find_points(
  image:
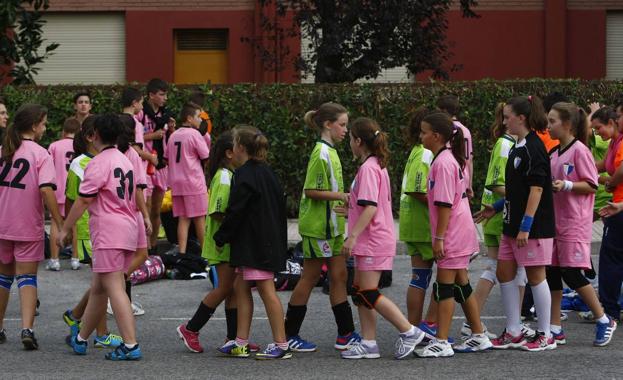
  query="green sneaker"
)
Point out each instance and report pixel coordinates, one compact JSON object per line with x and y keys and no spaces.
{"x":240,"y":351}
{"x":73,"y":324}
{"x":108,"y":341}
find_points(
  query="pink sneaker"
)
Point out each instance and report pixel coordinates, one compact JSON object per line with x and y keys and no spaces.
{"x":506,"y":341}
{"x":190,"y":338}
{"x":539,"y":343}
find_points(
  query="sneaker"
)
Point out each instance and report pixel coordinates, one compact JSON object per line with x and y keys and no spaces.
{"x":429,"y":329}
{"x":506,"y":341}
{"x":2,"y":336}
{"x":236,"y":350}
{"x":342,"y":342}
{"x":80,"y":348}
{"x":436,"y":349}
{"x":586,"y":316}
{"x":28,"y":340}
{"x":53,"y":265}
{"x":603,"y":332}
{"x":474,"y":343}
{"x":227,"y":347}
{"x":466,"y":331}
{"x":359,"y":350}
{"x":298,"y":344}
{"x":190,"y":338}
{"x":405,"y":345}
{"x":137,"y":309}
{"x":539,"y":343}
{"x":107,"y":341}
{"x":527,"y":331}
{"x":124,"y":353}
{"x":272,"y":351}
{"x":75,"y":263}
{"x":564,"y":316}
{"x":254,"y":347}
{"x":73,"y":324}
{"x":560,"y":337}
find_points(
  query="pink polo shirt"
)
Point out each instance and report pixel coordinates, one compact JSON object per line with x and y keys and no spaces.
{"x":62,"y":152}
{"x":185,"y":151}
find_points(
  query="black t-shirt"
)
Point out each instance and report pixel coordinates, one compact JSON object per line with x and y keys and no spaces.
{"x":528,"y":165}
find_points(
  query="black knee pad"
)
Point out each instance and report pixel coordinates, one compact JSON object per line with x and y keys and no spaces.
{"x":356,"y":297}
{"x":369,"y":297}
{"x":442,"y":291}
{"x":554,"y":278}
{"x":462,"y":292}
{"x":574,"y":277}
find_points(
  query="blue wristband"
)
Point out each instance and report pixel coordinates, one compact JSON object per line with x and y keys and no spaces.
{"x":498,"y":205}
{"x":526,"y":223}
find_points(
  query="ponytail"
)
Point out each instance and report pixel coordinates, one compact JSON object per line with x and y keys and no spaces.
{"x":222,"y":144}
{"x":440,"y":122}
{"x":457,"y":145}
{"x":532,"y":109}
{"x":371,"y":135}
{"x":253,"y":140}
{"x":576,"y":116}
{"x":25,"y":118}
{"x":326,"y":112}
{"x":498,"y":129}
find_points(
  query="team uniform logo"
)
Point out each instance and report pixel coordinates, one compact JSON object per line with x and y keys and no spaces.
{"x":517,"y":162}
{"x":568,"y":168}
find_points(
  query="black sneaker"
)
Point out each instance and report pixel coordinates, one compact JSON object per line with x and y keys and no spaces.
{"x":28,"y":340}
{"x":2,"y":336}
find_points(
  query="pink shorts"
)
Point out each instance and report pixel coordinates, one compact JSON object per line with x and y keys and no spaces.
{"x":111,"y":260}
{"x":159,"y":179}
{"x":190,"y":206}
{"x":21,"y":251}
{"x":373,"y":263}
{"x":459,"y":262}
{"x":141,"y":241}
{"x":538,"y":252}
{"x":571,"y":254}
{"x":252,"y":274}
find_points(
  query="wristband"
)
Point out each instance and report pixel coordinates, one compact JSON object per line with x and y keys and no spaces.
{"x":498,"y":205}
{"x":568,"y":186}
{"x":439,"y":238}
{"x":526,"y":223}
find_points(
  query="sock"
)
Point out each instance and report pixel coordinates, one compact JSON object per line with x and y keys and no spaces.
{"x":231,"y":317}
{"x":510,"y":295}
{"x":555,"y":329}
{"x":294,"y":319}
{"x":130,"y":346}
{"x":241,"y":342}
{"x":282,"y":345}
{"x":369,"y":343}
{"x":128,"y":289}
{"x":603,"y":319}
{"x":201,"y":317}
{"x":343,"y":318}
{"x":79,"y":338}
{"x":543,"y":306}
{"x":409,"y":332}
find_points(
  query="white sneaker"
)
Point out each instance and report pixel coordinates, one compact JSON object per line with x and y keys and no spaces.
{"x":527,"y":331}
{"x":436,"y":349}
{"x":405,"y":345}
{"x":466,"y":331}
{"x":75,"y":263}
{"x":53,"y":265}
{"x":586,"y":316}
{"x":137,"y":308}
{"x":475,"y":343}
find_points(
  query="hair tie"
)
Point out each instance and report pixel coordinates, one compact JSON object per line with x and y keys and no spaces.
{"x":376,"y":133}
{"x":530,"y":98}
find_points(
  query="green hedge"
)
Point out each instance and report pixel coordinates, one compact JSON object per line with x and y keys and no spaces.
{"x":278,"y":110}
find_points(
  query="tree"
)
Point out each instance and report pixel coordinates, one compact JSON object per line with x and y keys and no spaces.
{"x":21,"y":32}
{"x":353,"y":39}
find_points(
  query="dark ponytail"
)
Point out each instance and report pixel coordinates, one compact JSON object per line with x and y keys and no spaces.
{"x":371,"y":135}
{"x":253,"y":140}
{"x":81,"y":145}
{"x":441,"y":123}
{"x":25,"y":118}
{"x":532,"y":109}
{"x":498,"y":129}
{"x":576,"y":116}
{"x":414,"y":128}
{"x":223,"y":143}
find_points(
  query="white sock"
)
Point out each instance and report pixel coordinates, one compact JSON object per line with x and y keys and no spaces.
{"x":510,"y":295}
{"x":543,"y":305}
{"x":603,"y":319}
{"x":555,"y":329}
{"x":79,"y":338}
{"x":409,"y":332}
{"x":369,"y":343}
{"x":130,"y":346}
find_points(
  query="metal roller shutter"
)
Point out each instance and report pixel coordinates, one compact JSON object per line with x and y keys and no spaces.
{"x":614,"y":45}
{"x":91,"y":51}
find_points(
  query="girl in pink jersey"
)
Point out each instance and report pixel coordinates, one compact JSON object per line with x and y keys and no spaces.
{"x":574,"y":183}
{"x":62,"y":152}
{"x":26,"y":182}
{"x":372,"y":243}
{"x":453,"y":233}
{"x":108,"y":191}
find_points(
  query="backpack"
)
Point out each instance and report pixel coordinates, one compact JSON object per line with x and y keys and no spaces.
{"x":152,"y":269}
{"x":287,"y":279}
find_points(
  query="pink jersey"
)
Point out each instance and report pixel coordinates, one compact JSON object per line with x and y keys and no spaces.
{"x":62,"y":152}
{"x":371,"y":187}
{"x":469,"y":152}
{"x":21,"y":206}
{"x":139,"y":132}
{"x":574,"y":212}
{"x":140,"y":177}
{"x":110,"y":179}
{"x":185,"y":151}
{"x":148,"y":127}
{"x":446,"y":188}
{"x":208,"y":140}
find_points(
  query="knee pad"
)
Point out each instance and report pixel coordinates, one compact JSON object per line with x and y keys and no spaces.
{"x":489,"y":272}
{"x":521,"y":278}
{"x":6,"y":281}
{"x":574,"y":277}
{"x":421,"y":278}
{"x":356,"y":297}
{"x":26,"y":280}
{"x":369,"y":297}
{"x":554,"y":278}
{"x":462,"y":292}
{"x":442,"y":291}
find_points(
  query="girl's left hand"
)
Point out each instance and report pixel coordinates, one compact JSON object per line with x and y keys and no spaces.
{"x":522,"y":239}
{"x":438,"y":249}
{"x":557,"y":185}
{"x":148,"y":226}
{"x":347,"y":248}
{"x":341,"y":210}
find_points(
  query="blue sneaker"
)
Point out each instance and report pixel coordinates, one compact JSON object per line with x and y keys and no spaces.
{"x":430,"y":331}
{"x":73,"y":324}
{"x":298,"y":344}
{"x":272,"y":351}
{"x":80,"y":348}
{"x":124,"y":353}
{"x":342,"y":342}
{"x":560,"y":337}
{"x":108,"y":341}
{"x":603,"y":332}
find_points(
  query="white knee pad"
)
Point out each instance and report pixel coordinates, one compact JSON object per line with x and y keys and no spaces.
{"x":489,"y":272}
{"x":521,"y":279}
